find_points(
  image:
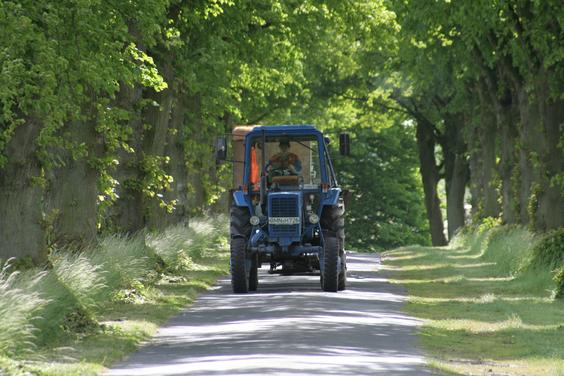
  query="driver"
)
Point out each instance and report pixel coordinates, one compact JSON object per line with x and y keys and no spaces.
{"x":284,"y":162}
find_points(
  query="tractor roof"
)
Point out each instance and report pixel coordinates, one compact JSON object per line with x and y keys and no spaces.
{"x":290,"y":130}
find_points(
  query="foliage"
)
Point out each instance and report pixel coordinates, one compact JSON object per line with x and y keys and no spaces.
{"x":385,"y":210}
{"x":510,"y":247}
{"x":488,"y":223}
{"x":559,"y":280}
{"x":549,"y":251}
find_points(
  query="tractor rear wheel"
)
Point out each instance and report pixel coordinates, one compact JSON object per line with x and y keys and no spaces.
{"x":330,"y":272}
{"x":239,"y":273}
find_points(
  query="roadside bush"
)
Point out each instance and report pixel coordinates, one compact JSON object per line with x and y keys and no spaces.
{"x":550,"y":250}
{"x":549,"y":254}
{"x":18,"y":308}
{"x":510,"y":247}
{"x":559,"y":280}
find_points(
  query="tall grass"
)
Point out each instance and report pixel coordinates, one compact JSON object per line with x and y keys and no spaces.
{"x":18,"y":308}
{"x":181,"y":246}
{"x":123,"y":259}
{"x":38,"y":307}
{"x":84,"y":279}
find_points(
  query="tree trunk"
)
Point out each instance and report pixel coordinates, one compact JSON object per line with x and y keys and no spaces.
{"x":73,"y":189}
{"x":127,"y":213}
{"x":508,"y":167}
{"x":487,"y":137}
{"x":551,"y":198}
{"x":430,"y":178}
{"x":476,"y":188}
{"x":155,"y":141}
{"x":456,"y":172}
{"x":177,"y":166}
{"x":21,"y":230}
{"x":195,"y":128}
{"x":501,"y":97}
{"x":531,"y":142}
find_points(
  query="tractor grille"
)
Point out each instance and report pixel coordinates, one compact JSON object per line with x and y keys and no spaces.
{"x":285,"y":206}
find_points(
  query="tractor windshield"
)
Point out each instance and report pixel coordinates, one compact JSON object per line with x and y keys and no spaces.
{"x":289,"y":161}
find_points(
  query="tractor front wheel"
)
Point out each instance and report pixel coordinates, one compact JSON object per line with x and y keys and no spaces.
{"x":330,"y":272}
{"x":239,"y":274}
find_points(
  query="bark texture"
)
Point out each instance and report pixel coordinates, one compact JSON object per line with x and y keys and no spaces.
{"x":127,"y":214}
{"x":21,"y":230}
{"x":177,"y":167}
{"x":157,"y":117}
{"x":73,"y":190}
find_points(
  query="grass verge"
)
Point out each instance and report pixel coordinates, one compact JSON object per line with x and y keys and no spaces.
{"x":488,"y":302}
{"x":91,"y":308}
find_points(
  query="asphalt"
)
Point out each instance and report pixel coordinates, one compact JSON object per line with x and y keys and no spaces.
{"x":289,"y":327}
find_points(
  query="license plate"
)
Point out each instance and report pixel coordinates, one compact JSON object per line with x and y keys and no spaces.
{"x":284,"y":220}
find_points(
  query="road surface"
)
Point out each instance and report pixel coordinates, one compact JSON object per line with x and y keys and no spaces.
{"x":288,"y":327}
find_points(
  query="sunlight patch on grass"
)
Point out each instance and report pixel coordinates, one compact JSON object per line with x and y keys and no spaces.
{"x":474,"y":326}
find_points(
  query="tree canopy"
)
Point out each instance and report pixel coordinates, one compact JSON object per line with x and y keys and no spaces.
{"x":109,"y":110}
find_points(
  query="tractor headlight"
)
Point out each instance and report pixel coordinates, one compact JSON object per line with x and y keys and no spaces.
{"x":254,"y":220}
{"x":313,"y":218}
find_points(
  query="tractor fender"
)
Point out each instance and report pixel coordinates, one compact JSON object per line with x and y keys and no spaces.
{"x":331,"y":198}
{"x":240,"y":199}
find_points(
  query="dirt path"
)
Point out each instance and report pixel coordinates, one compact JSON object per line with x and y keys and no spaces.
{"x":289,"y":327}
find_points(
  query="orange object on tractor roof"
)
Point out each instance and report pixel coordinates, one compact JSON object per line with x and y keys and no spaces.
{"x":255,"y":176}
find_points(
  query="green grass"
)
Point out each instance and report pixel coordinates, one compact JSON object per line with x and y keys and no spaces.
{"x":18,"y":309}
{"x":91,"y":308}
{"x":486,"y":308}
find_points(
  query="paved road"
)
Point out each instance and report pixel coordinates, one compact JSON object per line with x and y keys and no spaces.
{"x":288,"y":327}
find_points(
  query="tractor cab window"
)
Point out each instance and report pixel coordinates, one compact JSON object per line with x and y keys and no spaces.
{"x":289,"y":161}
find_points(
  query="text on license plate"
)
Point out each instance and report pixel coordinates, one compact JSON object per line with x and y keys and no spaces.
{"x":284,"y":220}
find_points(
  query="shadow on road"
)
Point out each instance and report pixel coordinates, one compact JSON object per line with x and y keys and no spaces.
{"x":288,"y":327}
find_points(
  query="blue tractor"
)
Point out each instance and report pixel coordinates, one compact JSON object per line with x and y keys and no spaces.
{"x":287,"y":208}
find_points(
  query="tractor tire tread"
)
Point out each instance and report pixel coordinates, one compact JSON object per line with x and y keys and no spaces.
{"x":330,"y":275}
{"x":239,"y":275}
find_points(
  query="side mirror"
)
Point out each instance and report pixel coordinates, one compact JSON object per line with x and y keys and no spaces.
{"x":220,"y":149}
{"x":327,"y":140}
{"x":344,"y":144}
